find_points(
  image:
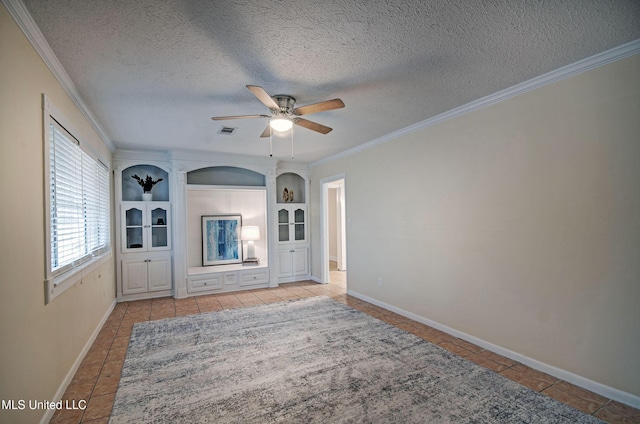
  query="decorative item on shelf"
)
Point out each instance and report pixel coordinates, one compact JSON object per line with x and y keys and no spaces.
{"x":290,"y":195}
{"x":160,"y":221}
{"x":146,"y":184}
{"x":250,"y":233}
{"x":285,"y":194}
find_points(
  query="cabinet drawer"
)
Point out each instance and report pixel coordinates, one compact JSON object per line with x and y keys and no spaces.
{"x":253,"y":278}
{"x":205,"y":283}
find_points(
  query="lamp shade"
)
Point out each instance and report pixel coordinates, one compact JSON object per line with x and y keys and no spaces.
{"x":250,"y":232}
{"x":281,"y":124}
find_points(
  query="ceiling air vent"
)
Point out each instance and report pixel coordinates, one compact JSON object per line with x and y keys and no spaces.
{"x":227,"y":130}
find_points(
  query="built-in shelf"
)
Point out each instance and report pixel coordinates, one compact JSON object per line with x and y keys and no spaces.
{"x":132,"y":191}
{"x":293,"y":183}
{"x":199,"y":270}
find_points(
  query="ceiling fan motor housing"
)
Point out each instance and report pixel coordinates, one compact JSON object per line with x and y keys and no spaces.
{"x":285,"y":103}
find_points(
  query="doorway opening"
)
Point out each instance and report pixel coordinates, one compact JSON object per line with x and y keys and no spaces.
{"x":334,"y":258}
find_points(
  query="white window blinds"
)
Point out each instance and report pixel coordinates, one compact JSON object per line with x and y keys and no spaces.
{"x":79,"y":201}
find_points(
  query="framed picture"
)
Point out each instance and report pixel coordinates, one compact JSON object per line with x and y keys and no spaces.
{"x":221,"y":239}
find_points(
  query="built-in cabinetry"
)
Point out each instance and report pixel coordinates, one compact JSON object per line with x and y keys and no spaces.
{"x":159,"y":241}
{"x":219,"y":191}
{"x":292,"y":227}
{"x":144,"y":257}
{"x":227,"y":278}
{"x":146,"y":275}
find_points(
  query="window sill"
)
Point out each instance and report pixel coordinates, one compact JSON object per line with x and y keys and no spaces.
{"x":54,"y":287}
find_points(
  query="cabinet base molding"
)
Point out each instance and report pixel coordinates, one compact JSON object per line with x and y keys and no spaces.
{"x":145,"y":296}
{"x":284,"y":280}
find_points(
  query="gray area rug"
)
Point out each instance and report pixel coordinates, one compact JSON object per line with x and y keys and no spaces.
{"x":311,"y":360}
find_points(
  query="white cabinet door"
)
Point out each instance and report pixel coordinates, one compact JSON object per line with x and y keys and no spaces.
{"x":158,"y":229}
{"x":159,"y":273}
{"x":300,"y":262}
{"x":285,"y":263}
{"x":299,"y":221}
{"x":133,"y":226}
{"x":134,"y":276}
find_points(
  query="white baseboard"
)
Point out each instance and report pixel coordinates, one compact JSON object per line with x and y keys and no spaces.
{"x":65,"y":383}
{"x":599,"y":388}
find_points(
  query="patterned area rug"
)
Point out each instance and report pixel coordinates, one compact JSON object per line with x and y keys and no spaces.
{"x":311,"y":360}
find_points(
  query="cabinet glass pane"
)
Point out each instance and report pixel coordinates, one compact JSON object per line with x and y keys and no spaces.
{"x":134,"y":217}
{"x":298,"y":216}
{"x":159,"y":237}
{"x":283,"y":232}
{"x":134,"y":238}
{"x":299,"y":232}
{"x":159,"y":217}
{"x":283,"y":216}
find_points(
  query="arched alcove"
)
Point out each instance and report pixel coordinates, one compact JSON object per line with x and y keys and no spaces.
{"x":226,"y":176}
{"x":294,"y":183}
{"x":131,"y":189}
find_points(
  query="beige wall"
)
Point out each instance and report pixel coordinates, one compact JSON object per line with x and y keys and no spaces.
{"x":39,"y":343}
{"x":250,"y":204}
{"x":518,"y":224}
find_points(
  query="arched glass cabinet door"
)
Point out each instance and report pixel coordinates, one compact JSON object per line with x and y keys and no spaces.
{"x":299,"y":224}
{"x":283,"y":225}
{"x":159,"y":228}
{"x":134,"y":229}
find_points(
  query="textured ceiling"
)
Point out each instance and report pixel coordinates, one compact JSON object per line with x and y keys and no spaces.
{"x":154,"y":72}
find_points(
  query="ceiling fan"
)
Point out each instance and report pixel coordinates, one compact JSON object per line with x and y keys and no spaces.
{"x":284,"y":113}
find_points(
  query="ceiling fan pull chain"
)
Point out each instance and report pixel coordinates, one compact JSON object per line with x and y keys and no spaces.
{"x":270,"y":143}
{"x":291,"y":142}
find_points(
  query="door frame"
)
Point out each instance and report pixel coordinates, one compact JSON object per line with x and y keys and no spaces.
{"x":325,"y":184}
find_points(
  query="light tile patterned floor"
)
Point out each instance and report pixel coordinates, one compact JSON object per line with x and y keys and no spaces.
{"x":97,"y":378}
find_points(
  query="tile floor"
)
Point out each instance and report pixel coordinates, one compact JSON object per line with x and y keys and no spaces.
{"x":97,"y":378}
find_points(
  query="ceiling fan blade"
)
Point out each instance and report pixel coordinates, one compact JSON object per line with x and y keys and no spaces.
{"x":314,"y":126}
{"x":263,"y":96}
{"x":266,"y":132}
{"x":319,"y":107}
{"x":222,"y":118}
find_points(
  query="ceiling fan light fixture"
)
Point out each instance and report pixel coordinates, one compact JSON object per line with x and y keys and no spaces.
{"x":281,"y":124}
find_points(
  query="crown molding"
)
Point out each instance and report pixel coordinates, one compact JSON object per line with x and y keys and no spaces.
{"x":584,"y":65}
{"x":21,"y":16}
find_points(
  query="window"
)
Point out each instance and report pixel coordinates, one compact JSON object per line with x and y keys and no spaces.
{"x":78,"y":208}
